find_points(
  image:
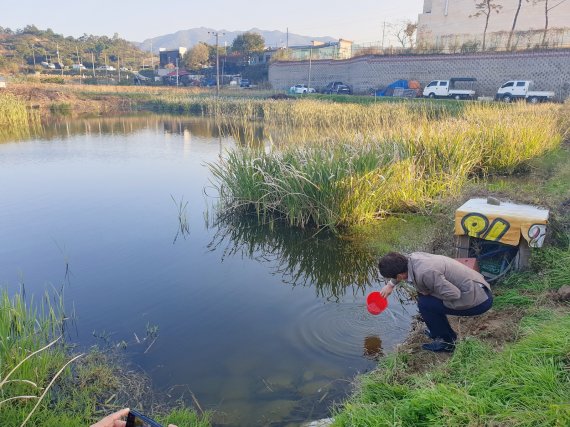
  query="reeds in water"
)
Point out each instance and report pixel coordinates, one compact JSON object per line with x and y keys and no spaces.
{"x":354,"y":163}
{"x":15,"y":120}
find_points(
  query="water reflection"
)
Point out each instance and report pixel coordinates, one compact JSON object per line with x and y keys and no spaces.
{"x":373,"y":347}
{"x":332,"y":265}
{"x":188,"y":127}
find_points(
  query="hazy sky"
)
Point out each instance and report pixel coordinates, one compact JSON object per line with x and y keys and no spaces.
{"x":359,"y":20}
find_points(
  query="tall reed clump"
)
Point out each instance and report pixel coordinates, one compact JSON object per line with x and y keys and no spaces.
{"x":38,"y":386}
{"x":30,"y":354}
{"x":353,"y":163}
{"x":15,"y":119}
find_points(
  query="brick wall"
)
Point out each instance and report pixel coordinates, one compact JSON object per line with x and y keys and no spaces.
{"x":550,"y":70}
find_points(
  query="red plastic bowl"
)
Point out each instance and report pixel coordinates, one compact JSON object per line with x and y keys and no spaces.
{"x":376,"y":303}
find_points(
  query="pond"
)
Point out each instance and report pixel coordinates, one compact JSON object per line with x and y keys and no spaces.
{"x":264,"y":324}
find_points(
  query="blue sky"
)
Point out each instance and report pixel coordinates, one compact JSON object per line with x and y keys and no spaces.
{"x":360,"y":20}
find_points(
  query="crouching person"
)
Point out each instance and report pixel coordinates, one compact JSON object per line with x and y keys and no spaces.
{"x":445,"y":286}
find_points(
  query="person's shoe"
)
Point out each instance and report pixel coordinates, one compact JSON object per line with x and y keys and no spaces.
{"x":439,"y":346}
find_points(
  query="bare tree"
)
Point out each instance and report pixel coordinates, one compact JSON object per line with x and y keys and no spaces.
{"x":485,"y":8}
{"x":548,"y":6}
{"x":405,"y":33}
{"x":519,"y":5}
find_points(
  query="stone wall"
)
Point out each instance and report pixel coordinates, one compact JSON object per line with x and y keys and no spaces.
{"x":550,"y":70}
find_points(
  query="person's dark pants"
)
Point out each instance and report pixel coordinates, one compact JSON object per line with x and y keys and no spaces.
{"x":435,"y":314}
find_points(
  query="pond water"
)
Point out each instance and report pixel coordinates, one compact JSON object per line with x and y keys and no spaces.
{"x":266,"y":325}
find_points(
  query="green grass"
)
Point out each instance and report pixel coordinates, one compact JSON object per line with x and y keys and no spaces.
{"x":354,"y":164}
{"x":76,"y":395}
{"x":16,"y":121}
{"x":526,"y":384}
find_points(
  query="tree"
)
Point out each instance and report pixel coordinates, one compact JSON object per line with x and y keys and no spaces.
{"x":196,"y":57}
{"x":485,"y":8}
{"x":405,"y":33}
{"x":248,"y":43}
{"x":547,"y":9}
{"x":514,"y":23}
{"x":222,"y":51}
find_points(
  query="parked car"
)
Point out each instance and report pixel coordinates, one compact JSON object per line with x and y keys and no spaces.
{"x":105,"y":68}
{"x":78,"y":67}
{"x":209,"y":82}
{"x":49,"y":65}
{"x":244,"y":83}
{"x":337,"y":88}
{"x":449,"y":89}
{"x":301,"y":89}
{"x":520,"y":89}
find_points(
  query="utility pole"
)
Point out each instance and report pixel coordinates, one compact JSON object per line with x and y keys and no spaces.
{"x":151,"y":56}
{"x":310,"y":60}
{"x":177,"y":72}
{"x":287,"y":44}
{"x":217,"y":35}
{"x":58,"y":60}
{"x":383,"y":34}
{"x":93,"y":64}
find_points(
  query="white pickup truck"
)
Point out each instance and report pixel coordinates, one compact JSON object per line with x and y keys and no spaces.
{"x":448,"y":88}
{"x":520,"y":89}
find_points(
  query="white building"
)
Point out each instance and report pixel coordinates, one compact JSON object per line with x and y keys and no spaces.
{"x":446,"y":23}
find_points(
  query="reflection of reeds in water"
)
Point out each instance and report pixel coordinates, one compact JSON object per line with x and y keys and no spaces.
{"x":16,"y":122}
{"x":183,"y":225}
{"x":330,"y":264}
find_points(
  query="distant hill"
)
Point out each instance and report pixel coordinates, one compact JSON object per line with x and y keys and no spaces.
{"x":191,"y":37}
{"x":30,"y":44}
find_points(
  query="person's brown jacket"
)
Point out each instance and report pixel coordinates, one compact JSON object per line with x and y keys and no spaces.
{"x":458,"y":286}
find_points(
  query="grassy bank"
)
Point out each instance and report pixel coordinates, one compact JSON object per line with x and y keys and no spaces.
{"x":354,"y":164}
{"x":511,"y":365}
{"x":524,"y":383}
{"x":43,"y":383}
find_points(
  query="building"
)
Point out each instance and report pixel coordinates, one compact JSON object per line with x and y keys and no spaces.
{"x":341,"y":49}
{"x":450,"y":24}
{"x":170,"y":58}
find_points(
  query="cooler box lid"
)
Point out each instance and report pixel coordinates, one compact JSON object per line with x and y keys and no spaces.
{"x":504,"y":223}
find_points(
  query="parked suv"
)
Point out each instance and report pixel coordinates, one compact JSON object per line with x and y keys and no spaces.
{"x":337,"y":87}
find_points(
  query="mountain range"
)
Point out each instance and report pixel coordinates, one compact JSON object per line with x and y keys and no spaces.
{"x":191,"y":37}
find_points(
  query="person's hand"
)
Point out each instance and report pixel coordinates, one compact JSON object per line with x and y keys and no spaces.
{"x":114,"y":420}
{"x":387,"y":290}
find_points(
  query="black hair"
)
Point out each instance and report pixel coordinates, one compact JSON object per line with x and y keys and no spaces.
{"x":392,"y":264}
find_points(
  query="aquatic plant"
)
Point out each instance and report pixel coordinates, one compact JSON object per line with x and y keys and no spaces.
{"x":354,"y":164}
{"x":37,"y":386}
{"x":15,"y":120}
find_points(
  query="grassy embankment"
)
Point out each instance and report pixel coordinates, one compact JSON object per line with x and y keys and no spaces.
{"x":512,"y":367}
{"x":43,"y":383}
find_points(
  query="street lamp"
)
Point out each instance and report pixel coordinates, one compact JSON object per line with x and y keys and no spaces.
{"x":217,"y":34}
